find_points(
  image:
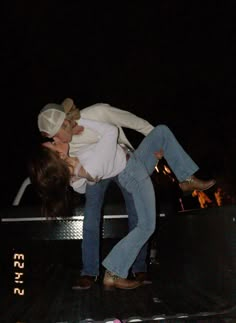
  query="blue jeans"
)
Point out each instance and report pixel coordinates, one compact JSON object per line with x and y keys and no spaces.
{"x":136,"y":180}
{"x":91,"y":228}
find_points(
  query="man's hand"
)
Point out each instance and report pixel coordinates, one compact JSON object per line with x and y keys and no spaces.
{"x":159,"y":154}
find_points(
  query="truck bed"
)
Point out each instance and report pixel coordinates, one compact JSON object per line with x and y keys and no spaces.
{"x":193,"y":275}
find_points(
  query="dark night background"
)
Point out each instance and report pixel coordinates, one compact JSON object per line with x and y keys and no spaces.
{"x":168,"y":61}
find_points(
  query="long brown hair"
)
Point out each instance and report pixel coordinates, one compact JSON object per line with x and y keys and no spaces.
{"x":50,"y":177}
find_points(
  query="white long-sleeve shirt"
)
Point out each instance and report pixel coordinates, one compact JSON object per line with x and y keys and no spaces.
{"x":103,"y":159}
{"x":103,"y":112}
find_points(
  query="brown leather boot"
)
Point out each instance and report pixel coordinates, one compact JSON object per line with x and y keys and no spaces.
{"x":85,"y":282}
{"x":112,"y":281}
{"x":193,"y":183}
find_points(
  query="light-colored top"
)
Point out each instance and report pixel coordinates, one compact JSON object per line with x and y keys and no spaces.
{"x":105,"y":113}
{"x":103,"y":159}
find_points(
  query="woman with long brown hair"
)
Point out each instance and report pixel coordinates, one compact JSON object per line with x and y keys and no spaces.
{"x":106,"y":159}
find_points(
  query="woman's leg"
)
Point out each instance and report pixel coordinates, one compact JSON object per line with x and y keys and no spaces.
{"x":159,"y":138}
{"x":124,"y":253}
{"x":140,"y":263}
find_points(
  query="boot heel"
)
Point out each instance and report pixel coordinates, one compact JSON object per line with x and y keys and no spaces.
{"x":109,"y":288}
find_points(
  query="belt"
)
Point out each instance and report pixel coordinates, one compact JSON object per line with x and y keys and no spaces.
{"x":126,"y":152}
